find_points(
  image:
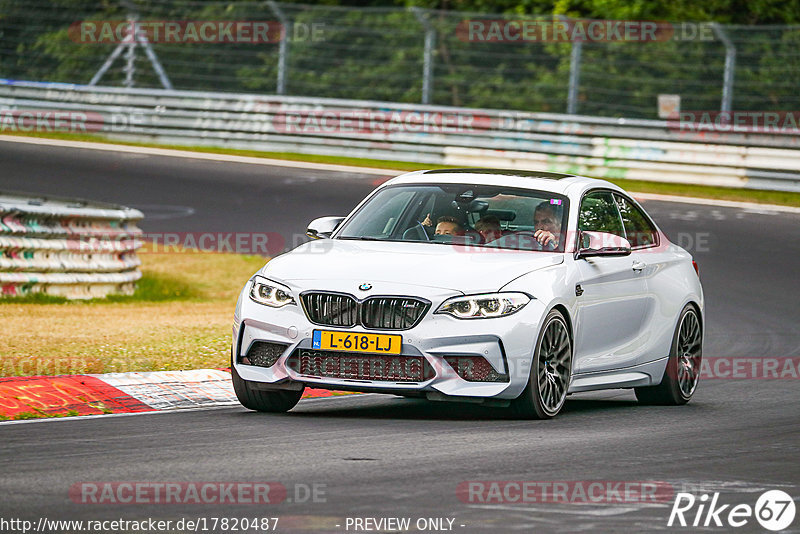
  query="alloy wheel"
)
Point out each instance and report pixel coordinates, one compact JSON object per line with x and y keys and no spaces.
{"x":554,"y":366}
{"x":689,"y":352}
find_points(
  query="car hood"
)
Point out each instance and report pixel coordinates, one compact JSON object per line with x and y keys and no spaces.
{"x":335,"y":264}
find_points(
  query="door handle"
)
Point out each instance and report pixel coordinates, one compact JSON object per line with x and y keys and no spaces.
{"x":638,"y":266}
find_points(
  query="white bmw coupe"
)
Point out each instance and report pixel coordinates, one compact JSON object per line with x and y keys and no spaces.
{"x":509,"y":288}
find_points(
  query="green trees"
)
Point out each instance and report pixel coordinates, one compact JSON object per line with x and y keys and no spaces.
{"x":376,"y":52}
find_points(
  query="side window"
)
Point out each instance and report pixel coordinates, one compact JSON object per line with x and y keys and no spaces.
{"x":599,"y":213}
{"x":641,"y":232}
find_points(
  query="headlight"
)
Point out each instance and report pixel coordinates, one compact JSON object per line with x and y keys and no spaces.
{"x":484,"y":306}
{"x":270,"y":293}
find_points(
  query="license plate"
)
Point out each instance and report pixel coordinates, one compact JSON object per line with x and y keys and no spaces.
{"x":357,"y":342}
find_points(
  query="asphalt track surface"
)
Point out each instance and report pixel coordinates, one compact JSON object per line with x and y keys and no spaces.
{"x":382,"y":456}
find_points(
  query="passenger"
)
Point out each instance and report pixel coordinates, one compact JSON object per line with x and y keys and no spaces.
{"x":547,"y":225}
{"x":489,"y":228}
{"x":448,"y":225}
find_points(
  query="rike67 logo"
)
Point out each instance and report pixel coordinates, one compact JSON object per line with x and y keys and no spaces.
{"x":774,"y":510}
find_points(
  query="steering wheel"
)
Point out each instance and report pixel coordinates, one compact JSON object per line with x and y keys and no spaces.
{"x":419,"y":228}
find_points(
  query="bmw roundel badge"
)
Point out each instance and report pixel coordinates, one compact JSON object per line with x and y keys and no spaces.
{"x":365,"y":287}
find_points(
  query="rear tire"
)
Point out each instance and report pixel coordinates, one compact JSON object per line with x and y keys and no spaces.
{"x":551,"y":372}
{"x":683,"y":366}
{"x":277,"y":401}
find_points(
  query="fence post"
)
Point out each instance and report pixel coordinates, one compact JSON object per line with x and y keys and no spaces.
{"x":427,"y":66}
{"x":574,"y":70}
{"x":574,"y":76}
{"x":130,"y":54}
{"x":283,"y":48}
{"x":730,"y":65}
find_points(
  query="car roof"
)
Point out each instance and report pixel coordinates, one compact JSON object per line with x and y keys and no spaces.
{"x":567,"y":184}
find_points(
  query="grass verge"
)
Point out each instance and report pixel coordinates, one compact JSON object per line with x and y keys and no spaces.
{"x":783,"y":198}
{"x":179,"y":318}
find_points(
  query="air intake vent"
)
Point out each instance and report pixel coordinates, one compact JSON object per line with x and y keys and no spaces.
{"x":475,"y":369}
{"x":263,"y":354}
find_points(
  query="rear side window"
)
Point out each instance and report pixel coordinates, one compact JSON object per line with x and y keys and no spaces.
{"x":599,"y":213}
{"x":640,"y":231}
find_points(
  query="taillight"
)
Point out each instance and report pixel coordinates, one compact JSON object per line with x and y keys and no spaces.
{"x":696,"y":268}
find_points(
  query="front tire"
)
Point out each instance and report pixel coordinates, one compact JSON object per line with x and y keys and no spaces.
{"x":683,"y":366}
{"x":551,"y":372}
{"x":277,"y":401}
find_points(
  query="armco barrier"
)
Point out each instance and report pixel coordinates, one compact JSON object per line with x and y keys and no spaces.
{"x":597,"y":146}
{"x":66,"y":247}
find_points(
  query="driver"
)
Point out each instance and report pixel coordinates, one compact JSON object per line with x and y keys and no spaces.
{"x":547,"y":224}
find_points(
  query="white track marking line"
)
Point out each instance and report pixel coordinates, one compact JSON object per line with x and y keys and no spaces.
{"x":167,"y":411}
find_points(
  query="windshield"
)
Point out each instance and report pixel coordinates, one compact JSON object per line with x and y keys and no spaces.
{"x":463,"y":214}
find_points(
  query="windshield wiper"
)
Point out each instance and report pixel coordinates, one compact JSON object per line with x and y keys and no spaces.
{"x":362,"y":238}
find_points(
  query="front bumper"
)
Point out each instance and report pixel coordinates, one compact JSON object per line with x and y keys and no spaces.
{"x":505,"y":342}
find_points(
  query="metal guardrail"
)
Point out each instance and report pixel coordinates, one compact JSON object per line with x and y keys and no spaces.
{"x":596,"y":146}
{"x":68,"y":248}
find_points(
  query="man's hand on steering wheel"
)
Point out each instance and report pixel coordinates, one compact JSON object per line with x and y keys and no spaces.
{"x":546,"y":239}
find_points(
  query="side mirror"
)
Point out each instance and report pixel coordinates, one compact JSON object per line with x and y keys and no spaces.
{"x":323,"y":227}
{"x":602,"y":244}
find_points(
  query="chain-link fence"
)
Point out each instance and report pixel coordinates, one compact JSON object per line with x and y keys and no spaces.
{"x":402,"y":55}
